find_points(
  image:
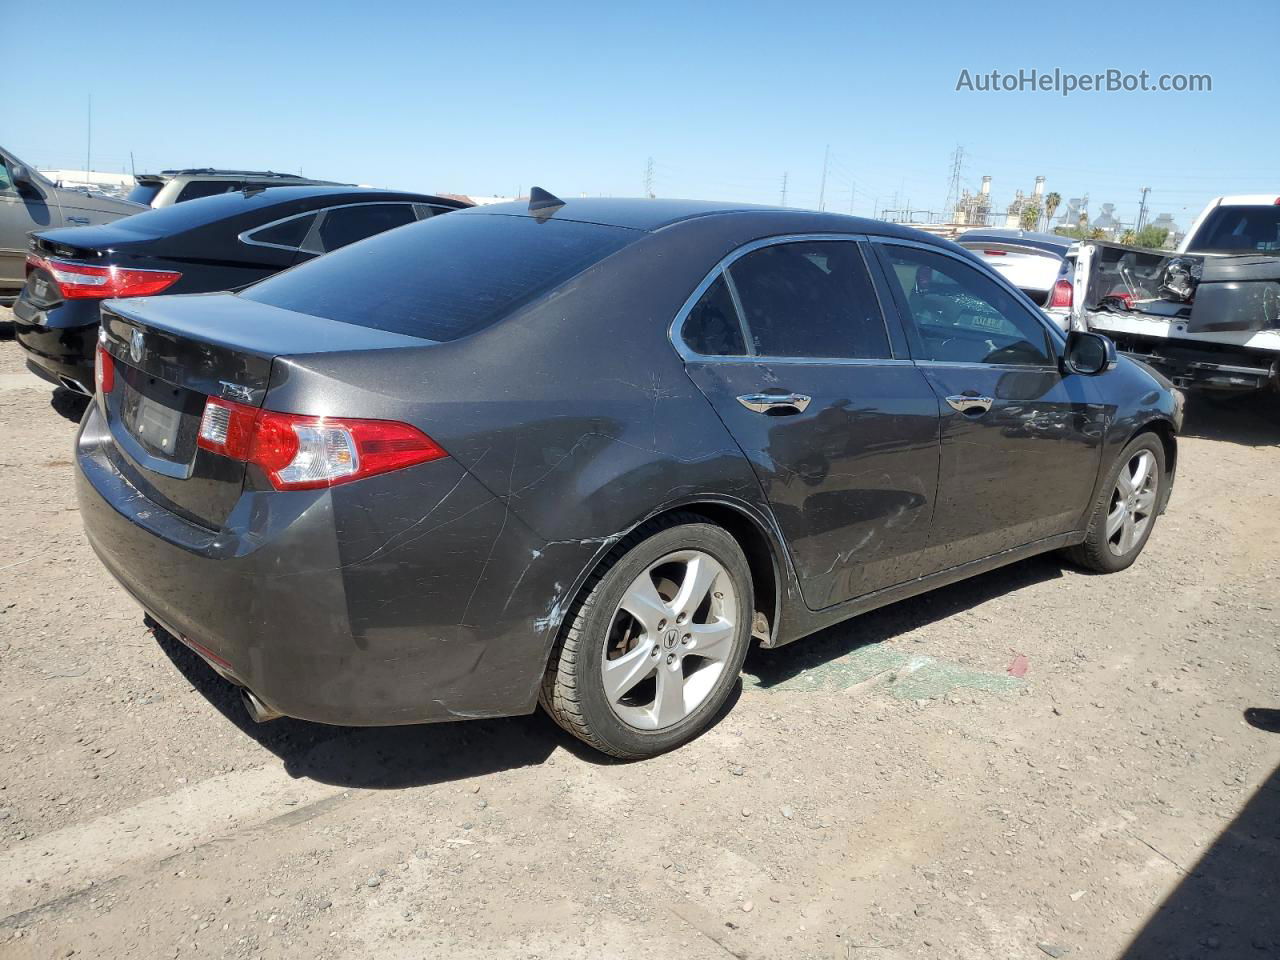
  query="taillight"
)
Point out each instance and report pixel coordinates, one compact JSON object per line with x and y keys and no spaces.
{"x":305,"y":453}
{"x":1062,"y":294}
{"x":104,"y":370}
{"x":80,"y":281}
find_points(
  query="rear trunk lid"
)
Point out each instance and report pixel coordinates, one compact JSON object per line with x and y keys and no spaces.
{"x":170,"y":354}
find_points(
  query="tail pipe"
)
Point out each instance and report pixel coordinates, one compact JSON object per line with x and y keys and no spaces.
{"x":258,"y":711}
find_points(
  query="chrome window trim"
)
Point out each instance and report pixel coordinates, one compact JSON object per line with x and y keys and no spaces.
{"x":675,"y":330}
{"x":1055,"y":335}
{"x":243,"y":237}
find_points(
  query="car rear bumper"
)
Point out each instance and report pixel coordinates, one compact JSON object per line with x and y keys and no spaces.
{"x":326,"y":612}
{"x":60,"y":342}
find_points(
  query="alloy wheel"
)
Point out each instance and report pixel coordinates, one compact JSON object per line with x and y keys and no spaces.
{"x":1133,"y":503}
{"x":669,"y":639}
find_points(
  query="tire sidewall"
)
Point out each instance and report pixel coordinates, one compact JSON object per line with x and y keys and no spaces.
{"x":604,"y":723}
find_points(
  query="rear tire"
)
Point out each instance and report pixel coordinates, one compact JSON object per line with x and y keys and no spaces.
{"x":651,"y":653}
{"x":1125,"y":512}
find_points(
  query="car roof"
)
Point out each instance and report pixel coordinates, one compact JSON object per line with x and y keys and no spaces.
{"x":651,"y":215}
{"x":1043,"y":241}
{"x":1248,"y":200}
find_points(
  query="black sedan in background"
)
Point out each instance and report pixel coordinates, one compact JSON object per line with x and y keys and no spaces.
{"x":222,"y":242}
{"x":583,"y":453}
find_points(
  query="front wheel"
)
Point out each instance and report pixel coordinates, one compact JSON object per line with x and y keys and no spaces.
{"x":1125,"y":512}
{"x":653,"y":651}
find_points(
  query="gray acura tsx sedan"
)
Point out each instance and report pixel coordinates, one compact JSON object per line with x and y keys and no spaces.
{"x":583,"y":453}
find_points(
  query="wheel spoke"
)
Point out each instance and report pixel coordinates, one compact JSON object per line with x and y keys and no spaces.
{"x":1124,"y":483}
{"x":622,"y":674}
{"x":1115,"y":519}
{"x":1142,"y":470}
{"x":644,"y":603}
{"x":1145,"y":502}
{"x":1128,"y":533}
{"x":711,"y":640}
{"x":700,"y":572}
{"x":668,"y":705}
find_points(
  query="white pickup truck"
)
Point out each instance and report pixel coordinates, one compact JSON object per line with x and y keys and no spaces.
{"x":1207,"y":316}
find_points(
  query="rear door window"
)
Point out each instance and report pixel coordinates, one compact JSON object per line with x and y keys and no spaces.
{"x":443,"y":278}
{"x":345,"y":225}
{"x":810,"y":299}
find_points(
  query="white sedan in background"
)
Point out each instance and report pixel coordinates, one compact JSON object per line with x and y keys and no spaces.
{"x":1032,"y":262}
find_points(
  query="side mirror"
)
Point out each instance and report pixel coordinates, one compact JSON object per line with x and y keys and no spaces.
{"x":1088,"y":353}
{"x":20,"y":174}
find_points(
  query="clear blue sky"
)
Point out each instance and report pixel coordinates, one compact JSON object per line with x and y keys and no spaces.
{"x":489,"y":98}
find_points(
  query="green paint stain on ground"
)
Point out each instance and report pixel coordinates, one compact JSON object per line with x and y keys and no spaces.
{"x":901,"y":675}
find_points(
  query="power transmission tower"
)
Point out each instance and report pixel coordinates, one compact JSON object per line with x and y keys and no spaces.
{"x":648,"y":179}
{"x":783,"y":201}
{"x":1142,"y":210}
{"x":953,"y":184}
{"x":822,"y":190}
{"x":853,"y":191}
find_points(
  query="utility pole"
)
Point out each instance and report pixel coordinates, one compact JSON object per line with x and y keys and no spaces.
{"x":953,"y":184}
{"x":853,"y":192}
{"x":822,"y":190}
{"x":648,"y":179}
{"x":88,"y":139}
{"x":783,"y":201}
{"x":1142,"y":210}
{"x":133,"y":170}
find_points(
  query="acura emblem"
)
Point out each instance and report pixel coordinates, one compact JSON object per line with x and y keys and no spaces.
{"x":135,"y":346}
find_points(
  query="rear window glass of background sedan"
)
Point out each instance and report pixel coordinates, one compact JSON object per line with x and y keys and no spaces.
{"x":443,"y":278}
{"x":811,"y":299}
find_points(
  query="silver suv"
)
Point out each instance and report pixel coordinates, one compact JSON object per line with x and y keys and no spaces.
{"x":174,"y":186}
{"x":29,"y":202}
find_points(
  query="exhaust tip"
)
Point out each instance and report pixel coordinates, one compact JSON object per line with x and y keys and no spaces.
{"x":258,"y":711}
{"x":75,"y":386}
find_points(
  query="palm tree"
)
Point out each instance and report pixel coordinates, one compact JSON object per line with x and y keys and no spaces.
{"x":1051,"y":203}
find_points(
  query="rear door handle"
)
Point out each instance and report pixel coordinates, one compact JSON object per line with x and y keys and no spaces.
{"x":775,"y":402}
{"x":970,"y":404}
{"x":77,"y":219}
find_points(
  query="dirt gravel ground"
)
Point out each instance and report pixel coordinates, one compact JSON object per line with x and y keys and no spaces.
{"x":886,"y":789}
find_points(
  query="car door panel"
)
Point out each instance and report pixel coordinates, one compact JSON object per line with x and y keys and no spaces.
{"x":851,"y":479}
{"x":1020,"y":441}
{"x":840,"y":431}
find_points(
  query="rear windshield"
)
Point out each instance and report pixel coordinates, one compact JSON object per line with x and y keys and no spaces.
{"x":144,"y":193}
{"x":1239,"y":230}
{"x":443,"y":278}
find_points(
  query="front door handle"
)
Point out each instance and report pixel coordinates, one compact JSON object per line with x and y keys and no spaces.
{"x":775,"y":403}
{"x":84,"y":220}
{"x":970,"y":405}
